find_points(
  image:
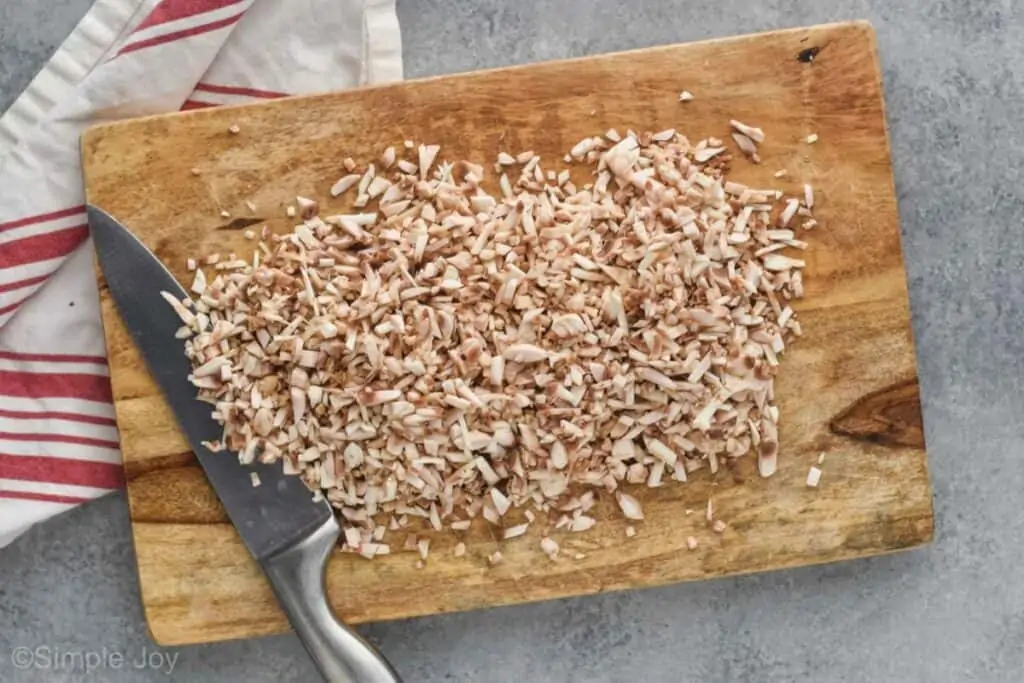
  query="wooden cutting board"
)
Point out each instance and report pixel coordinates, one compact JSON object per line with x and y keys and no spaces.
{"x":847,"y":388}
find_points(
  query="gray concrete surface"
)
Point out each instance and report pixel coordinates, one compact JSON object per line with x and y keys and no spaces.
{"x":952,"y":612}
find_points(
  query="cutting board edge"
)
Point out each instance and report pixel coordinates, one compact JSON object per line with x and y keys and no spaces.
{"x":160,"y":629}
{"x":911,"y":340}
{"x":865,"y":25}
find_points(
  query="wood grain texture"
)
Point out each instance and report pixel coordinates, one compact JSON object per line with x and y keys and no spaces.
{"x":847,"y":388}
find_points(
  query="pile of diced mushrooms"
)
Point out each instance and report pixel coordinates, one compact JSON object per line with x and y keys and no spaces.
{"x":448,"y":354}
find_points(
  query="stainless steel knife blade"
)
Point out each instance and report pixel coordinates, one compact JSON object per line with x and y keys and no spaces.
{"x":290,"y":535}
{"x":269,"y":517}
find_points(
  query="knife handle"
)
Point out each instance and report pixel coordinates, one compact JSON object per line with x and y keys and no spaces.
{"x":297,"y":576}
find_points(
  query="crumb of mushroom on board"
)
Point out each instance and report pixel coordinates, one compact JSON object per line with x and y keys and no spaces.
{"x":447,"y":354}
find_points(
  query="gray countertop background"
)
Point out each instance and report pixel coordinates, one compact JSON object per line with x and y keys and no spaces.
{"x":951,"y":612}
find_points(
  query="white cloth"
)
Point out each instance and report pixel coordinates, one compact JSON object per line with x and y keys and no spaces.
{"x":126,"y":58}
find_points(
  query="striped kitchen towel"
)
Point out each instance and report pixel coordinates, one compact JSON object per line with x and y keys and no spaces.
{"x":126,"y":58}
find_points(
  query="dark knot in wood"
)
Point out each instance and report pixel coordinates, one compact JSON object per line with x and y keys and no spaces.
{"x":891,"y":417}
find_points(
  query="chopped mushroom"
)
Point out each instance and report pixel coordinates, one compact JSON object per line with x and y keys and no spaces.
{"x":344,"y":184}
{"x":515,"y":531}
{"x":447,"y":354}
{"x":746,"y":146}
{"x":630,"y":506}
{"x":755,"y":134}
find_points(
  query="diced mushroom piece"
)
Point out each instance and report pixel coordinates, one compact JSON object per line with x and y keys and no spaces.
{"x":582,"y":523}
{"x":307,"y":207}
{"x":707,"y":154}
{"x":186,"y":315}
{"x":629,"y":505}
{"x":501,"y":502}
{"x":427,"y":155}
{"x":755,"y":134}
{"x":525,"y":353}
{"x":199,"y":283}
{"x":768,"y":449}
{"x":778,"y":262}
{"x":745,"y":144}
{"x":344,"y":184}
{"x":514,"y":531}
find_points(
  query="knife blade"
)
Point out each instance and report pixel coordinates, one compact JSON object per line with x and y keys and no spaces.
{"x":287,"y":532}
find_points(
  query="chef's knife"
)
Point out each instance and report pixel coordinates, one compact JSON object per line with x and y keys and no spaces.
{"x":289,"y":534}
